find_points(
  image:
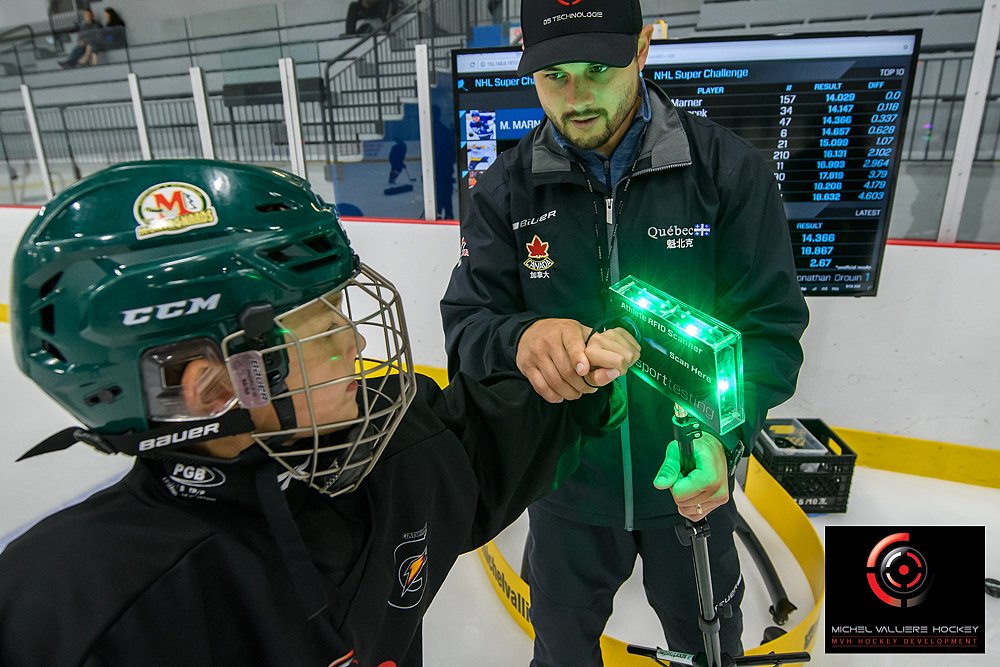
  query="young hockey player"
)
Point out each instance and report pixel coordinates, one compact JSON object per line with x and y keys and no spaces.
{"x":298,"y":495}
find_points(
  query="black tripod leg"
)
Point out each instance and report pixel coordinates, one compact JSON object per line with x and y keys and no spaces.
{"x":781,"y":607}
{"x":686,"y":430}
{"x":709,"y":620}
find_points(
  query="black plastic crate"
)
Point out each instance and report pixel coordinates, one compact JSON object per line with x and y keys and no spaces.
{"x":818,"y":483}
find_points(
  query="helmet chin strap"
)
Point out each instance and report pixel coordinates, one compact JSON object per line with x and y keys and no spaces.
{"x":283,"y":406}
{"x":166,"y":436}
{"x":257,"y":321}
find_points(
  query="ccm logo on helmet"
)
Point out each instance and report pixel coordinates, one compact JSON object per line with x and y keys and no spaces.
{"x":167,"y":311}
{"x":181,"y":436}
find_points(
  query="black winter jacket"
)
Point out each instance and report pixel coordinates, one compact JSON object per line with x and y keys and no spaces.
{"x":698,"y":215}
{"x":197,"y":561}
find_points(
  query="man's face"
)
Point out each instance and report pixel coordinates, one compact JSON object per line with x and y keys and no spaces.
{"x":592,"y":104}
{"x":588,"y":102}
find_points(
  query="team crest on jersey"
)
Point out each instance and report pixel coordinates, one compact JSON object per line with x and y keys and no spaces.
{"x":538,"y":255}
{"x":172,"y":208}
{"x":411,"y":565}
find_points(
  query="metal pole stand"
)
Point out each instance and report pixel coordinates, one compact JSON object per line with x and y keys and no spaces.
{"x":695,"y":534}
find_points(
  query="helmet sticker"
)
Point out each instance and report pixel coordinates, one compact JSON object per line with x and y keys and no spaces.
{"x":172,"y":208}
{"x":249,"y":378}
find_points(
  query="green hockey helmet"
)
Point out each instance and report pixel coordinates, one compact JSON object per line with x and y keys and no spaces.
{"x":132,"y":274}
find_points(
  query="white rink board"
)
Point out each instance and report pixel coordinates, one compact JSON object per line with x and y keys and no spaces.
{"x":916,"y":360}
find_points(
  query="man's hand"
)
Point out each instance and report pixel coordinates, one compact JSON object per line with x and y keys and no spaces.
{"x":703,"y":489}
{"x":553,"y":356}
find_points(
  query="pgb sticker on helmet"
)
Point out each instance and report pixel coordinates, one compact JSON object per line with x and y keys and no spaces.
{"x":172,"y":208}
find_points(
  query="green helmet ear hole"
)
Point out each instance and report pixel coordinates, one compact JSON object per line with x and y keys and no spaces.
{"x":49,"y":285}
{"x":273,"y":207}
{"x":106,"y":395}
{"x":307,"y":254}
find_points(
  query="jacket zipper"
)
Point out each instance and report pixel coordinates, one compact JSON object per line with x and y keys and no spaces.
{"x":626,"y":443}
{"x":624,"y":429}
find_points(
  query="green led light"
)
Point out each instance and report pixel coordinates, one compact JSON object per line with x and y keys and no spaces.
{"x":687,"y":355}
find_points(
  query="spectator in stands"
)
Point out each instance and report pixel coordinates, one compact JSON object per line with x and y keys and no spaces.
{"x":114,"y":29}
{"x":365,"y":16}
{"x":90,"y":31}
{"x":112,"y":36}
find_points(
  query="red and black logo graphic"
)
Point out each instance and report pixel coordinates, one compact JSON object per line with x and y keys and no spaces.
{"x":905,"y":590}
{"x":569,"y":3}
{"x":897,"y":573}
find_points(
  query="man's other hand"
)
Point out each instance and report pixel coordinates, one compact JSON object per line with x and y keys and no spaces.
{"x":703,"y":489}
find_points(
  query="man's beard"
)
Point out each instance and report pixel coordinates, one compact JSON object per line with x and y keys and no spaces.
{"x":611,"y":123}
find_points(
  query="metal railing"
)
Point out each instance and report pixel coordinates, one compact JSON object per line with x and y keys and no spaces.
{"x":9,"y":37}
{"x":370,"y":81}
{"x":940,"y":82}
{"x":374,"y":73}
{"x":333,"y":127}
{"x":357,"y":91}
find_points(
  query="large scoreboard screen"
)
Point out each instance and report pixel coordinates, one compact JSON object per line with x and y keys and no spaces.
{"x":827,"y":111}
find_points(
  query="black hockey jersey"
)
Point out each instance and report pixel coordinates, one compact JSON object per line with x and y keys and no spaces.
{"x":197,"y":561}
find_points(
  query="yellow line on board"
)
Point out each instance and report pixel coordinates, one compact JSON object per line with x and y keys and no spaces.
{"x":895,"y":453}
{"x":927,"y":458}
{"x":439,"y":375}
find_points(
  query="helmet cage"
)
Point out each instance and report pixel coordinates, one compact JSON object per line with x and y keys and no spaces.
{"x":333,"y":457}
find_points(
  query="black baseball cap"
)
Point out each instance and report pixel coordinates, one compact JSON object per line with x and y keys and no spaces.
{"x":569,"y":31}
